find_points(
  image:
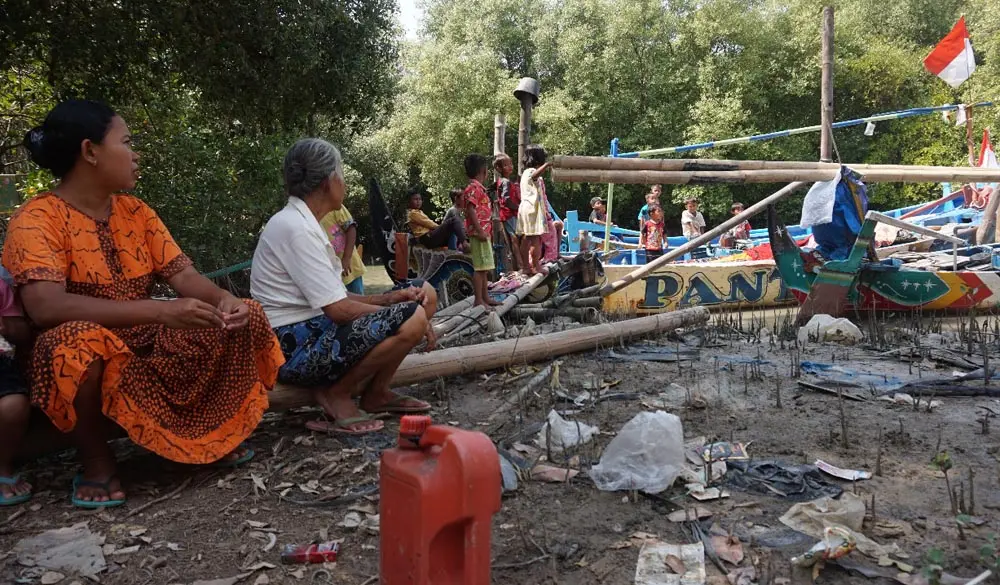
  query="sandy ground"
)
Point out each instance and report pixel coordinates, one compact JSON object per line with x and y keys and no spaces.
{"x":220,"y":522}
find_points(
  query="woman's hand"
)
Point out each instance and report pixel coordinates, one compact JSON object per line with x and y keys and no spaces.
{"x":188,"y":313}
{"x":235,"y":313}
{"x":406,"y":295}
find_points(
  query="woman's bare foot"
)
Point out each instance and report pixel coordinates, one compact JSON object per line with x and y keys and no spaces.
{"x":387,"y":401}
{"x":100,"y":472}
{"x":340,"y":406}
{"x":17,"y":489}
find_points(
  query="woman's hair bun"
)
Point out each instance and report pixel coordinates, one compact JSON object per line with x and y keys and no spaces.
{"x":34,"y":141}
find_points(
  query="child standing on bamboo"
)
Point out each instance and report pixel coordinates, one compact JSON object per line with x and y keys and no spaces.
{"x":508,"y":200}
{"x":653,"y":236}
{"x":475,"y":203}
{"x":533,"y":211}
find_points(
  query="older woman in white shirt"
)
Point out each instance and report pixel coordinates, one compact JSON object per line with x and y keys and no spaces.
{"x":342,"y":345}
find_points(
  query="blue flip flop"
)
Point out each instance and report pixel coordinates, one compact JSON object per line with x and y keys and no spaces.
{"x":12,"y":500}
{"x":79,"y":482}
{"x":235,"y":462}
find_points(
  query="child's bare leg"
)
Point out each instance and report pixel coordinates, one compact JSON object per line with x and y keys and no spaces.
{"x":478,"y":277}
{"x":15,"y":410}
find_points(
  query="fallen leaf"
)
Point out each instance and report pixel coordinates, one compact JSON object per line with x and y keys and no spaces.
{"x":676,"y":564}
{"x":256,"y":524}
{"x":728,"y":548}
{"x":283,"y":485}
{"x":310,"y":487}
{"x":620,"y":545}
{"x":696,"y":513}
{"x":127,"y":550}
{"x":52,"y":577}
{"x":138,"y":532}
{"x":298,"y":573}
{"x":262,"y":579}
{"x":258,"y":483}
{"x":643,"y":536}
{"x":260,"y":565}
{"x":272,"y":540}
{"x":360,"y":468}
{"x":173,"y":546}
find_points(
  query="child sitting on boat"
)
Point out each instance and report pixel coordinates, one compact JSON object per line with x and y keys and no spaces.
{"x":740,"y":232}
{"x":599,"y":215}
{"x":692,"y":221}
{"x":427,"y":232}
{"x":653,"y":236}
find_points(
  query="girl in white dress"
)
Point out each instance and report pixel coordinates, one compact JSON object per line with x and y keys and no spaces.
{"x":532,"y":212}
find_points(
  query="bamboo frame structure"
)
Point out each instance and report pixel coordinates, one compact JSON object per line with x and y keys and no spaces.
{"x":606,"y":163}
{"x":892,"y":175}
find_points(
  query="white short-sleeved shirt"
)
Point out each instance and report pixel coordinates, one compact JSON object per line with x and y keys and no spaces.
{"x":295,"y":271}
{"x":692,"y":223}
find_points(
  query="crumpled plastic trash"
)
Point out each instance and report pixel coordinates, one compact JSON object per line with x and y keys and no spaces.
{"x":564,"y":433}
{"x":837,"y":542}
{"x":825,"y":328}
{"x":73,"y":549}
{"x":647,"y":454}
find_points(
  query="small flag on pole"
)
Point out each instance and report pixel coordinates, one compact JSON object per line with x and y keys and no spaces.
{"x":961,"y":117}
{"x":870,"y":129}
{"x":953,"y":60}
{"x":987,"y":157}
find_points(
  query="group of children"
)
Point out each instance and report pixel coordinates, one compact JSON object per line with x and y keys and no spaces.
{"x":521,"y":208}
{"x":652,"y":231}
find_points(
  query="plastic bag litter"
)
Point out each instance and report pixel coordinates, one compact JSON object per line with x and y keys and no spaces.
{"x":817,"y":206}
{"x":564,"y":433}
{"x":647,"y":455}
{"x":826,"y":328}
{"x":73,"y":549}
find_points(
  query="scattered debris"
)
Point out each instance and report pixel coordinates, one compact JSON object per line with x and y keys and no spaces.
{"x":51,"y":578}
{"x":560,"y":434}
{"x":661,"y":563}
{"x":360,"y":520}
{"x":728,"y":548}
{"x":848,"y":513}
{"x":552,"y":474}
{"x":795,"y":482}
{"x":225,"y":581}
{"x":725,"y":452}
{"x":508,"y":473}
{"x":742,"y":576}
{"x":848,"y":474}
{"x":905,"y":399}
{"x":837,"y":542}
{"x":703,"y":494}
{"x":647,"y":454}
{"x":822,"y":328}
{"x":689,"y":514}
{"x":74,"y":549}
{"x":325,"y":552}
{"x":654,"y":354}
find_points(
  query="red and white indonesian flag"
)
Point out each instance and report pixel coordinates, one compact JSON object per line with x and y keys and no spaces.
{"x":952,"y":60}
{"x":987,"y":157}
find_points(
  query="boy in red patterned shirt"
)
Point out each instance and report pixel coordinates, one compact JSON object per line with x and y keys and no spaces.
{"x":653,"y":236}
{"x":479,"y":227}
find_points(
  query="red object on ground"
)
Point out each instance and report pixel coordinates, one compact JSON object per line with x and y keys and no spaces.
{"x":439,"y":491}
{"x":325,"y":552}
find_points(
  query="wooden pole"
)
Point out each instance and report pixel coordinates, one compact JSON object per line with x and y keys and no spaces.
{"x":969,"y":141}
{"x":477,"y":315}
{"x":523,"y":131}
{"x":704,"y":238}
{"x":499,"y":133}
{"x":469,"y":359}
{"x":826,"y":89}
{"x":895,"y":175}
{"x":604,"y":163}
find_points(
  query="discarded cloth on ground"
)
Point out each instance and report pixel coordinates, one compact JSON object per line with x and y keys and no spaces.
{"x":795,"y":482}
{"x":848,"y":512}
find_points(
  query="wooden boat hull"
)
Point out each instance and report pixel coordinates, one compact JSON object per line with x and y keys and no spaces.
{"x":881,"y":287}
{"x":717,"y":285}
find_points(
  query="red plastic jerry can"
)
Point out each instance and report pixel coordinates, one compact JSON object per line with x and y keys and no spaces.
{"x":439,"y":491}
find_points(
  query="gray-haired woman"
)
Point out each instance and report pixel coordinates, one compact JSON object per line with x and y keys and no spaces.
{"x":333,"y":341}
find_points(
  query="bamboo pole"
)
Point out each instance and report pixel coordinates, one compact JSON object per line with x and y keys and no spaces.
{"x":581,"y":314}
{"x":923,"y":208}
{"x":508,"y":303}
{"x":454,"y":309}
{"x":901,"y":175}
{"x":470,"y":359}
{"x":605,"y":163}
{"x":704,"y":238}
{"x":826,"y":89}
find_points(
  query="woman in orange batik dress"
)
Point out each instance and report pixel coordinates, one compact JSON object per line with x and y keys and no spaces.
{"x":186,"y":379}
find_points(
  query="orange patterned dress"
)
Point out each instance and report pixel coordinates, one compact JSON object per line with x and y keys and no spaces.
{"x":188,"y":395}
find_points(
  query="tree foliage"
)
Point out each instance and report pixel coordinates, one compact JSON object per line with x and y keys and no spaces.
{"x":657,"y":74}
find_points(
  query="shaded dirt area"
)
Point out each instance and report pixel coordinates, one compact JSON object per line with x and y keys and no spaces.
{"x":221,"y":523}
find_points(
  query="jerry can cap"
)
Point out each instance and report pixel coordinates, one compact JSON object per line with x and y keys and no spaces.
{"x":411,"y":428}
